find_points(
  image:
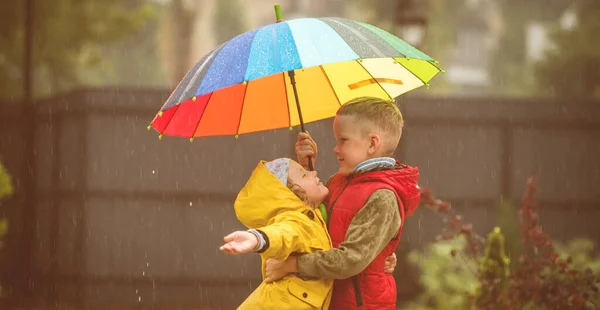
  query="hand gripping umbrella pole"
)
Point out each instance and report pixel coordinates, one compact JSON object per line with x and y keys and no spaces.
{"x":292,"y":76}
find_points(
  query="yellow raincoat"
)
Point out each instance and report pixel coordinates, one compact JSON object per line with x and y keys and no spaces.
{"x":292,"y":227}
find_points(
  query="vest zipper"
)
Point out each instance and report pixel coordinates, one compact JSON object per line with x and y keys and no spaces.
{"x":335,"y":201}
{"x":357,"y":292}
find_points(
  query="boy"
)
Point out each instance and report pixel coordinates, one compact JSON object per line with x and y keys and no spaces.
{"x":368,"y":200}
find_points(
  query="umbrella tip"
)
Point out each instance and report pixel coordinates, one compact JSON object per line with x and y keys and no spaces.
{"x":278,"y":14}
{"x":149,"y":127}
{"x":160,"y":114}
{"x":160,"y":137}
{"x":237,"y":136}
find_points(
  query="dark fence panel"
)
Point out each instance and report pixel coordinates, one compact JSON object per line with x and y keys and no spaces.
{"x":123,"y":219}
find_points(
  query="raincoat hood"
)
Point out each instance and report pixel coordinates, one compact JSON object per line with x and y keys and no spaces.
{"x":403,"y":180}
{"x":263,"y":197}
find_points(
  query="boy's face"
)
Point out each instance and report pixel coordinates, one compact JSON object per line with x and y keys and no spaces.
{"x":353,"y":145}
{"x":308,"y":181}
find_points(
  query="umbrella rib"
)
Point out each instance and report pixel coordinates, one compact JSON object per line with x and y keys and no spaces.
{"x":170,"y":119}
{"x":330,"y":85}
{"x":376,"y":81}
{"x":433,"y":63}
{"x":237,"y":131}
{"x":418,"y":77}
{"x":202,"y":115}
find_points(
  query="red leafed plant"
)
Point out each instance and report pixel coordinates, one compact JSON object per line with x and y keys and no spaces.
{"x":540,"y":279}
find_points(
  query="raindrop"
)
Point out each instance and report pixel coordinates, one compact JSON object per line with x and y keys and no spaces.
{"x":153,"y":172}
{"x":190,"y":203}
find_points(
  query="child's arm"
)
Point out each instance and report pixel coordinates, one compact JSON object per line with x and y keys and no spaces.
{"x":369,"y":232}
{"x":286,"y":234}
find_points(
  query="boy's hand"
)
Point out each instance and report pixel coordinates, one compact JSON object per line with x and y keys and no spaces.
{"x":306,"y":147}
{"x":276,"y":269}
{"x":239,"y":242}
{"x":390,"y":263}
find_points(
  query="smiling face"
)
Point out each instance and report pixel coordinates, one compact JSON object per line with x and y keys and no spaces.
{"x":353,"y":144}
{"x":312,"y":188}
{"x":365,"y":128}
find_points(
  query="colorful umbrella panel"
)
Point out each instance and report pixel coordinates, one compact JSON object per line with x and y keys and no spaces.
{"x":243,"y":85}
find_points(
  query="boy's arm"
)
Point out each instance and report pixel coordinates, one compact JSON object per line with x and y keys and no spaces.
{"x":369,"y":232}
{"x":286,"y":234}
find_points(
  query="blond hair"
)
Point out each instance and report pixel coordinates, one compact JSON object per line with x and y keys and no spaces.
{"x":380,"y":115}
{"x":299,"y":192}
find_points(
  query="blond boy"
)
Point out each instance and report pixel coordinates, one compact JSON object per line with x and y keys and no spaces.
{"x":369,"y":198}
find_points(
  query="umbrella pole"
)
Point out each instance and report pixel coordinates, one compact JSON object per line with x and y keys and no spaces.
{"x":292,"y":75}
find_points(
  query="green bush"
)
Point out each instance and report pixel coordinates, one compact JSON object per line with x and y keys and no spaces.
{"x":457,"y":274}
{"x":6,"y":190}
{"x":581,"y":252}
{"x":447,"y":277}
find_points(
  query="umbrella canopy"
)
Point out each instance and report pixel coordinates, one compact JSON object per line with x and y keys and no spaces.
{"x":289,"y":73}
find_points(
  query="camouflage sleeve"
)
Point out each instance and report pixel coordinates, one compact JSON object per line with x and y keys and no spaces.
{"x":369,"y":232}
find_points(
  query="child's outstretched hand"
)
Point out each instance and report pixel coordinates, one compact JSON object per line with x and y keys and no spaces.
{"x":306,"y":147}
{"x":239,"y":242}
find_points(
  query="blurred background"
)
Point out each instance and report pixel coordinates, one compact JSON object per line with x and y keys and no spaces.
{"x":98,"y":213}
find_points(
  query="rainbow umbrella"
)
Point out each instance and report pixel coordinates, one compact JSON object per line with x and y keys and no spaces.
{"x":290,"y":73}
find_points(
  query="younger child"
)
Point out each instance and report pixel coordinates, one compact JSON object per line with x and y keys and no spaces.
{"x":279,"y":205}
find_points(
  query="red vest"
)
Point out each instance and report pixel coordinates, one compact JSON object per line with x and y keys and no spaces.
{"x":372,"y":288}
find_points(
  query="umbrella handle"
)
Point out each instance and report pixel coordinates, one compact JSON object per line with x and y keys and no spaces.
{"x":310,"y":164}
{"x":292,"y":76}
{"x":278,"y":13}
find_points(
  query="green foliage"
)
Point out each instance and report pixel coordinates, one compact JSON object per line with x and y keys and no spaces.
{"x":3,"y":230}
{"x":572,"y":68}
{"x":495,"y":262}
{"x":494,"y":267}
{"x":68,"y":35}
{"x":511,"y":72}
{"x":541,"y":279}
{"x":506,"y":213}
{"x":448,"y":280}
{"x":229,"y":20}
{"x":581,"y":252}
{"x":447,"y":277}
{"x":6,"y":190}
